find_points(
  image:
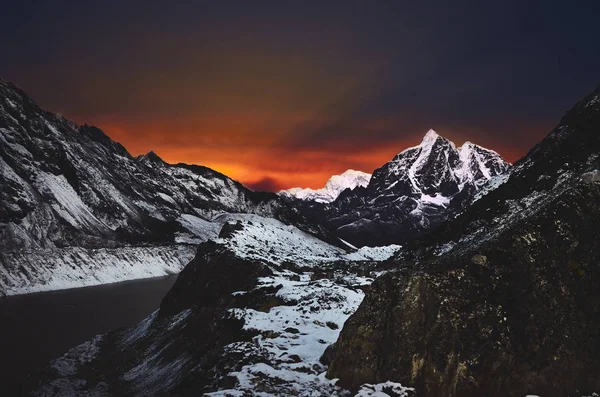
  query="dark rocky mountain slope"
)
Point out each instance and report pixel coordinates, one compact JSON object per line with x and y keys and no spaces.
{"x":502,"y":301}
{"x":77,"y":208}
{"x":410,"y":195}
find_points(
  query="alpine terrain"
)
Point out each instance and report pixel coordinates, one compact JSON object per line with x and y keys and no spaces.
{"x":410,"y":195}
{"x":493,"y":291}
{"x":252,"y":314}
{"x":500,"y":301}
{"x":77,"y":209}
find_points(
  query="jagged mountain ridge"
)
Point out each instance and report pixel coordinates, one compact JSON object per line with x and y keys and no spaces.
{"x":501,"y":301}
{"x":68,"y":186}
{"x":98,"y":191}
{"x":412,"y":194}
{"x":349,"y":179}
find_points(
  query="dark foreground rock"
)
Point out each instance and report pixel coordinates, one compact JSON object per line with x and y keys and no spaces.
{"x":504,"y":300}
{"x":518,"y":316}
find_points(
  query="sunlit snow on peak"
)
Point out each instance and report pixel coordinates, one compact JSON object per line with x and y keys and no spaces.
{"x":349,"y":179}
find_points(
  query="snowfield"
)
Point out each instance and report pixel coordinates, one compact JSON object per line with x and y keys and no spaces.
{"x":274,"y":242}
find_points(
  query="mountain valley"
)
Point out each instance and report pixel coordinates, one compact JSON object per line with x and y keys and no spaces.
{"x":447,"y":272}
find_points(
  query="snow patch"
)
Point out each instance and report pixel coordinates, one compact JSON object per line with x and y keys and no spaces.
{"x":387,"y":389}
{"x":438,"y":199}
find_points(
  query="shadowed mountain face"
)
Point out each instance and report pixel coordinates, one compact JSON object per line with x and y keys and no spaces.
{"x":70,"y":185}
{"x":503,"y":300}
{"x":412,"y":194}
{"x":71,"y":195}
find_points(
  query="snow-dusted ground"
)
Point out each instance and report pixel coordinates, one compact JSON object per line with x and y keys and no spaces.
{"x":285,"y":356}
{"x":293,"y":337}
{"x":54,"y":269}
{"x":274,"y":242}
{"x":46,"y":269}
{"x":387,"y":389}
{"x":317,"y":287}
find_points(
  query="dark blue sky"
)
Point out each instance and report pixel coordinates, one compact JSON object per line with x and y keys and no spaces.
{"x":286,"y":93}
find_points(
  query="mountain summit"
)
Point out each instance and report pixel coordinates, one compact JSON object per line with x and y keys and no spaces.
{"x":503,"y":300}
{"x":437,"y":170}
{"x":350,"y":179}
{"x":410,"y":195}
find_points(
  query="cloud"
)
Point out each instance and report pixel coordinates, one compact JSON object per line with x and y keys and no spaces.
{"x":266,"y":184}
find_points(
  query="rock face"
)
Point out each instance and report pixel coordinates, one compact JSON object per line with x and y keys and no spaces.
{"x":412,"y":194}
{"x":503,"y":300}
{"x":350,"y":179}
{"x":66,"y":186}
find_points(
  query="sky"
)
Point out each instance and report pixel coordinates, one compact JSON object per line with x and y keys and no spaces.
{"x":283,"y":93}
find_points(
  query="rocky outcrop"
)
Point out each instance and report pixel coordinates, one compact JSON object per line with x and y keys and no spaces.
{"x":516,"y":316}
{"x":180,"y":347}
{"x":502,"y":300}
{"x":211,"y":278}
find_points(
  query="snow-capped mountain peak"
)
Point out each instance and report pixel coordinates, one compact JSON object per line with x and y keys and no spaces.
{"x":350,"y":179}
{"x":478,"y":164}
{"x":419,"y":188}
{"x":437,"y":167}
{"x":151,"y":159}
{"x":430,"y":137}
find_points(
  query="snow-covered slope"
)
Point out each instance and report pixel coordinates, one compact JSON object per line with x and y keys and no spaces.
{"x":65,"y":185}
{"x":23,"y":272}
{"x":252,"y":314}
{"x":270,"y":240}
{"x":350,"y":179}
{"x":412,"y":194}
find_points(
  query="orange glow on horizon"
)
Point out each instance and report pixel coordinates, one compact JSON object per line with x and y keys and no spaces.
{"x":260,"y":161}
